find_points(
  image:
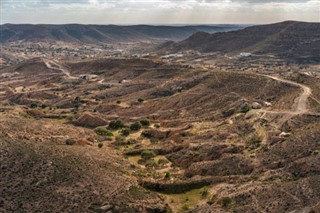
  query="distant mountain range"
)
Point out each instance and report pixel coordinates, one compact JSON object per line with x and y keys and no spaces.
{"x":96,"y":34}
{"x":286,"y":39}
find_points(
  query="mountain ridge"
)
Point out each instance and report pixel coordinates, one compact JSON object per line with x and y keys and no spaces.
{"x":284,"y":39}
{"x":78,"y":33}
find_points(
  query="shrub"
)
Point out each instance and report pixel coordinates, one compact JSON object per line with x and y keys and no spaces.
{"x":154,"y":140}
{"x":204,"y":193}
{"x":43,"y":106}
{"x":100,"y":145}
{"x":125,"y":132}
{"x":70,"y":142}
{"x":140,"y":100}
{"x":185,"y":207}
{"x":116,"y":124}
{"x":151,"y":163}
{"x":225,"y":201}
{"x":146,"y":154}
{"x":120,"y":138}
{"x":254,"y":143}
{"x":118,"y":102}
{"x":103,"y":131}
{"x":245,"y":108}
{"x":162,"y":161}
{"x":33,"y":105}
{"x":131,"y":141}
{"x":135,"y":126}
{"x":157,"y":126}
{"x":145,"y":122}
{"x":146,"y":134}
{"x":167,"y":175}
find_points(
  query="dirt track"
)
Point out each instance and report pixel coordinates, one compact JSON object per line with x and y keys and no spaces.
{"x":49,"y":63}
{"x":302,"y":102}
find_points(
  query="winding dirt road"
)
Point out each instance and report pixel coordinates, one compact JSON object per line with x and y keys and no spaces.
{"x":300,"y":105}
{"x":302,"y":101}
{"x":50,"y":63}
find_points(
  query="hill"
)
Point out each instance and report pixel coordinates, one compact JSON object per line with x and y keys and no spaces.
{"x":78,"y":33}
{"x":286,"y":39}
{"x":191,"y":139}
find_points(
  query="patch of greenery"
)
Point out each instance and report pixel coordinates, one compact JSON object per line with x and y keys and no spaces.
{"x":146,"y":134}
{"x":185,"y":207}
{"x":146,"y":154}
{"x":167,"y":175}
{"x":103,"y":131}
{"x":151,"y":163}
{"x":162,"y":161}
{"x":145,"y":122}
{"x":245,"y":108}
{"x":204,"y":193}
{"x":120,"y":138}
{"x":70,"y":142}
{"x":140,"y":100}
{"x":116,"y":124}
{"x":135,"y":126}
{"x":225,"y":201}
{"x":254,"y":143}
{"x":33,"y":105}
{"x":100,"y":145}
{"x":125,"y":132}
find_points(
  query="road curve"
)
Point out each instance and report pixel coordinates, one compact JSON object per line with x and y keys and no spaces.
{"x":58,"y":67}
{"x":302,"y":101}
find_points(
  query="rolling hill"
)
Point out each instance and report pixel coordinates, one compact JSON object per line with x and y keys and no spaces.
{"x":286,"y":39}
{"x":96,"y":34}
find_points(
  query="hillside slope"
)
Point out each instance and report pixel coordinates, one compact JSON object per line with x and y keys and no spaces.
{"x":103,"y":33}
{"x":285,"y":39}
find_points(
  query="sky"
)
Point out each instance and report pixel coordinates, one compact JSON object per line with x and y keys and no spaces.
{"x":157,"y":12}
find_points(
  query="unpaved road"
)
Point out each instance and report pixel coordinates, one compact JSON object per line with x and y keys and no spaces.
{"x":57,"y":66}
{"x":300,"y":105}
{"x":302,"y":101}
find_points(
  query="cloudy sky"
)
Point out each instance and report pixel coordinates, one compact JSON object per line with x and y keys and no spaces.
{"x":158,"y":11}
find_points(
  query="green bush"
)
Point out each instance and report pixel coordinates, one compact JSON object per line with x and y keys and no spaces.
{"x":167,"y":175}
{"x":145,"y":122}
{"x":157,"y":126}
{"x":154,"y":140}
{"x":245,"y":108}
{"x":103,"y":131}
{"x":100,"y":145}
{"x":140,"y":100}
{"x":146,"y":134}
{"x":185,"y":207}
{"x":135,"y":126}
{"x":125,"y":132}
{"x":116,"y":124}
{"x":70,"y":142}
{"x":33,"y":105}
{"x":118,"y":102}
{"x":254,"y":143}
{"x":204,"y":193}
{"x":120,"y":138}
{"x":151,"y":163}
{"x":225,"y":201}
{"x":162,"y":161}
{"x":146,"y":154}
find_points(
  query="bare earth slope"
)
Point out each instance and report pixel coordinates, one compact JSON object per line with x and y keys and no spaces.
{"x":287,"y":39}
{"x":209,"y":141}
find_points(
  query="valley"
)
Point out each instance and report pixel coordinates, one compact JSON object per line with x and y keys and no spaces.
{"x":161,"y":127}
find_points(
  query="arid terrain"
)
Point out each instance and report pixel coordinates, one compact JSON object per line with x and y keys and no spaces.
{"x":162,"y":128}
